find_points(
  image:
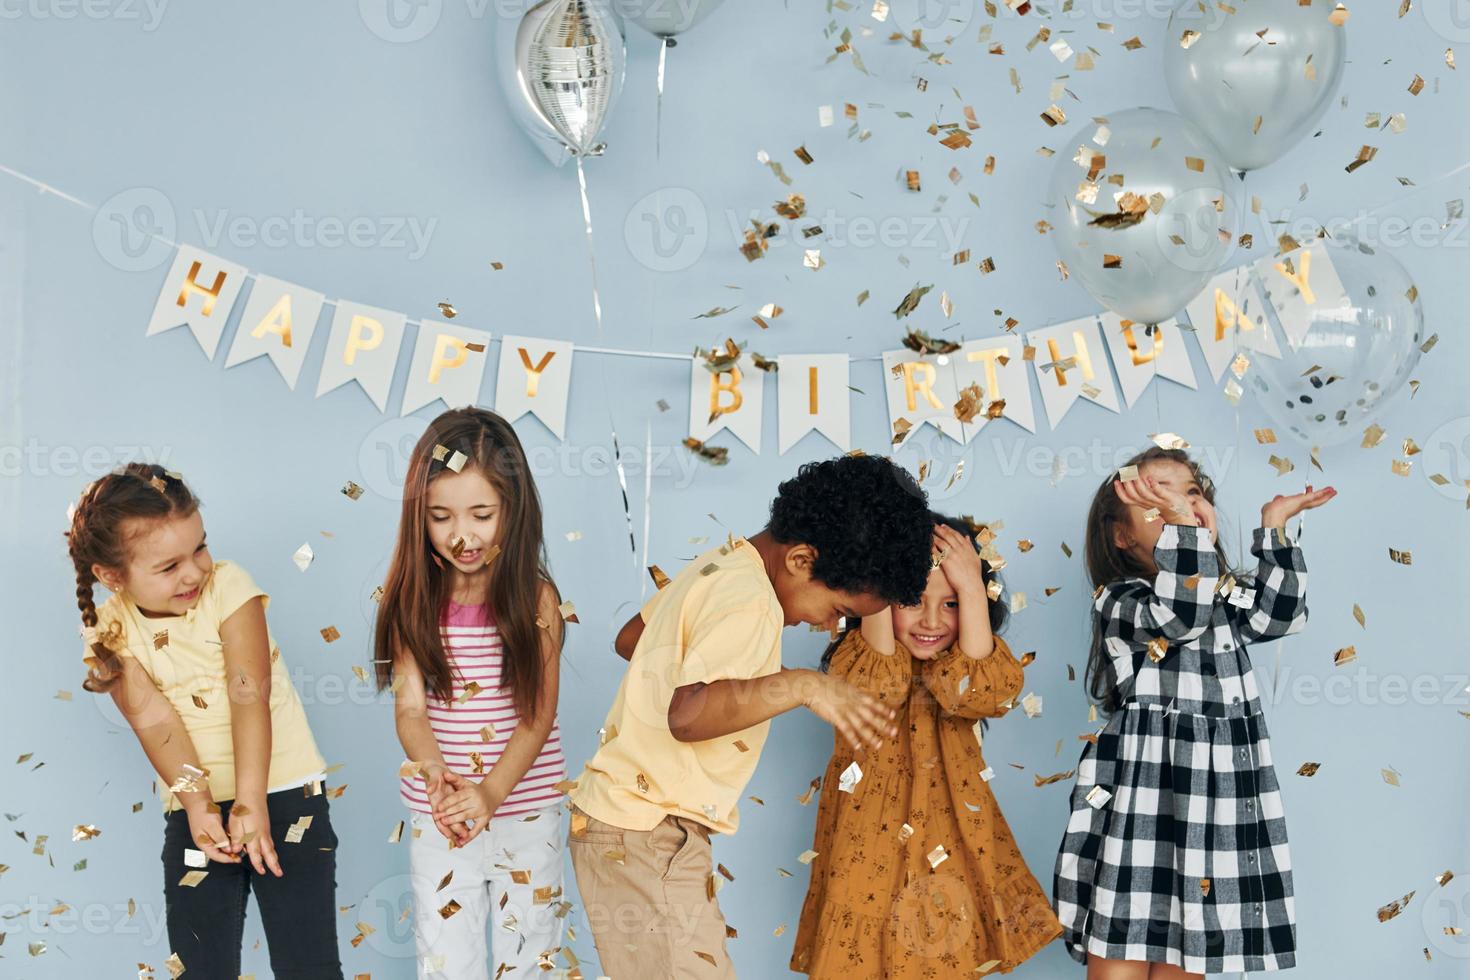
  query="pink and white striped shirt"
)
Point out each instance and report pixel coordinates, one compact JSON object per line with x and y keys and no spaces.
{"x":473,"y":733}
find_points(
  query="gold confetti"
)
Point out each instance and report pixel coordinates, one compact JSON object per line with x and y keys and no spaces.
{"x":449,"y":909}
{"x":448,"y":310}
{"x":330,"y":634}
{"x":352,"y":490}
{"x":1309,"y":769}
{"x":1339,"y":16}
{"x":1392,"y":909}
{"x":1365,"y":154}
{"x":1402,"y":557}
{"x":1344,"y":656}
{"x":1283,"y":466}
{"x":714,"y":455}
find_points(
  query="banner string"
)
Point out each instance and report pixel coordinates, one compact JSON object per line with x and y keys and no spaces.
{"x":45,"y":188}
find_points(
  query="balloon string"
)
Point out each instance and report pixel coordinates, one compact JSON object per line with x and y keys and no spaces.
{"x":647,"y":500}
{"x":602,"y":368}
{"x":664,"y":43}
{"x":1241,"y":282}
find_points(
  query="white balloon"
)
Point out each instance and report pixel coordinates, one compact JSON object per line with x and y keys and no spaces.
{"x":1146,"y":186}
{"x":1257,"y":79}
{"x":1354,"y":357}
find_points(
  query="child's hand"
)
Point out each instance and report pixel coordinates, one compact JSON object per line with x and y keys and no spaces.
{"x":1280,"y":509}
{"x":1174,"y":508}
{"x":250,"y":832}
{"x":958,"y":560}
{"x":466,"y":809}
{"x":437,"y":777}
{"x":861,"y":719}
{"x":208,"y":833}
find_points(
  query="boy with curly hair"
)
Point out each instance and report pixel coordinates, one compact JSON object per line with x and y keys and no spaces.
{"x":846,"y":538}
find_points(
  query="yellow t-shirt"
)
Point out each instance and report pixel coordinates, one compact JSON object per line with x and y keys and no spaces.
{"x":718,"y":619}
{"x":184,"y":657}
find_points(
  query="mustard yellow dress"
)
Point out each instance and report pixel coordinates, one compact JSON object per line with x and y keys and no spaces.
{"x":917,"y":876}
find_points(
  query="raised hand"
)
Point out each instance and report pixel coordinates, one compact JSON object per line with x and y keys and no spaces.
{"x":1145,"y":494}
{"x":1282,"y":508}
{"x":958,"y":560}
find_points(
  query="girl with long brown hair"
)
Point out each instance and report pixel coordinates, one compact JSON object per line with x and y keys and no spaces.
{"x":1175,"y":860}
{"x":469,"y":636}
{"x":183,"y":648}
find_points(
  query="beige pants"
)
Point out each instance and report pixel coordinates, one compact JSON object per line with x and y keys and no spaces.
{"x":651,"y":913}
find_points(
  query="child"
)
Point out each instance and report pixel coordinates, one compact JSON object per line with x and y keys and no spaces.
{"x":183,"y":648}
{"x":1175,"y":856}
{"x":917,"y":875}
{"x":846,"y":537}
{"x":469,"y":637}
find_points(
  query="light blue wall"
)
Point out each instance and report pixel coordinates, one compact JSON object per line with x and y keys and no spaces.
{"x":257,"y":111}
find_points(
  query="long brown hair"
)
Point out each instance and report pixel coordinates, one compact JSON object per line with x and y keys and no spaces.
{"x":416,"y":592}
{"x":138,"y":491}
{"x":1107,"y":563}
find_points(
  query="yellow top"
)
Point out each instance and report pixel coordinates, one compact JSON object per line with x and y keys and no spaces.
{"x":185,"y":658}
{"x":717,"y":619}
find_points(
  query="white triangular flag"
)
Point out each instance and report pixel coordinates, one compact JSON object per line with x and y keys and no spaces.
{"x":730,"y":400}
{"x":199,"y":292}
{"x":1227,"y":318}
{"x":362,"y":346}
{"x":1301,"y":285}
{"x":448,"y":365}
{"x":279,"y":321}
{"x":812,"y":394}
{"x":535,"y":376}
{"x":998,"y":366}
{"x":1140,"y":354}
{"x":921,"y":388}
{"x":1070,"y":363}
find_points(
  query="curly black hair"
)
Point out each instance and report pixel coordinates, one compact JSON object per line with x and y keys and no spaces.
{"x":999,"y":615}
{"x":868,"y":520}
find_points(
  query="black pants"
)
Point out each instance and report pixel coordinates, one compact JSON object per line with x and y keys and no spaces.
{"x":206,"y":923}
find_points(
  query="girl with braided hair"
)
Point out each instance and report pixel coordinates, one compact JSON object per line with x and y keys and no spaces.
{"x":183,"y":648}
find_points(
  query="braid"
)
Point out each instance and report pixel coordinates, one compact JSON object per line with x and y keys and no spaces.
{"x":143,"y":491}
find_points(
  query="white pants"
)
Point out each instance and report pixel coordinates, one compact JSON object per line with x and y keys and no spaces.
{"x":513,"y":859}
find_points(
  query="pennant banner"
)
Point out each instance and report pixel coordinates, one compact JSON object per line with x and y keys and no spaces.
{"x":448,"y":365}
{"x":199,"y":292}
{"x":812,"y":395}
{"x":1070,"y":363}
{"x":535,"y":376}
{"x":279,"y":320}
{"x":730,"y":399}
{"x":998,"y":366}
{"x":363,"y":346}
{"x":1139,"y":355}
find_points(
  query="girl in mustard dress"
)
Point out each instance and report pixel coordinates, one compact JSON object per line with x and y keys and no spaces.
{"x":917,"y":876}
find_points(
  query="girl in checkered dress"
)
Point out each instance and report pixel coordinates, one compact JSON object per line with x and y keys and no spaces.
{"x":1175,"y":860}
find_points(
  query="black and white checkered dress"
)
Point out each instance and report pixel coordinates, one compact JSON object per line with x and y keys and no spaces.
{"x":1175,"y":851}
